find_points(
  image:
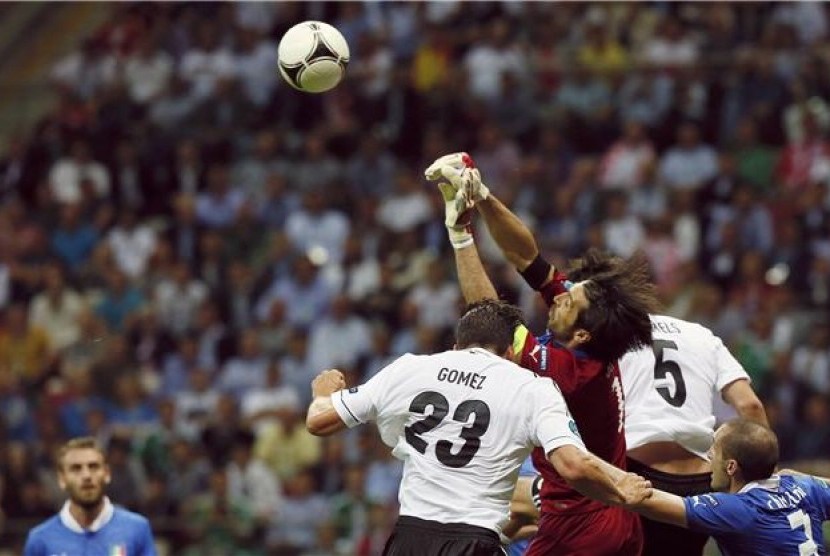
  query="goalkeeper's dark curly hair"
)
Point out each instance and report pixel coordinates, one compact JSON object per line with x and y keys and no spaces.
{"x":621,"y":297}
{"x":488,"y":323}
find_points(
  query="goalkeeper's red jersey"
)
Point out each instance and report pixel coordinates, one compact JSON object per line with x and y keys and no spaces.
{"x":593,"y":391}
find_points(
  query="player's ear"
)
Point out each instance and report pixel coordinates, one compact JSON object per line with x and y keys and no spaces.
{"x":731,"y":467}
{"x":582,"y":336}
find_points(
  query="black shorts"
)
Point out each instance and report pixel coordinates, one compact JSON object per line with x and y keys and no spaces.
{"x":661,"y":538}
{"x":420,"y":537}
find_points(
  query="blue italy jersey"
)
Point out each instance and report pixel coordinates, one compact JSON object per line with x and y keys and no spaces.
{"x":518,"y":548}
{"x":782,"y":516}
{"x":117,"y":532}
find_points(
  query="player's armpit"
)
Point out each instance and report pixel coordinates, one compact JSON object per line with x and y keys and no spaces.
{"x":662,"y":506}
{"x":322,"y":419}
{"x":740,"y":395}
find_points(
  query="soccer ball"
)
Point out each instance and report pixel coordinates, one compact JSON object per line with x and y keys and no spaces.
{"x":313,"y":56}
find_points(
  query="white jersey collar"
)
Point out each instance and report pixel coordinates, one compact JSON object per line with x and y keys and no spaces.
{"x":767,"y":484}
{"x":103,"y":518}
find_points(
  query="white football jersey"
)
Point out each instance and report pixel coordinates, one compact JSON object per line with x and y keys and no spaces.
{"x":671,"y":389}
{"x":463,"y":422}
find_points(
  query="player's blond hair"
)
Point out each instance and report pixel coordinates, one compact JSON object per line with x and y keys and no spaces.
{"x":80,"y":443}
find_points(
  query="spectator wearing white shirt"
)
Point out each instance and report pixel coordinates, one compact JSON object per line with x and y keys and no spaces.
{"x":207,"y":62}
{"x":247,"y":371}
{"x":626,"y":164}
{"x":436,"y":299}
{"x":690,"y":163}
{"x":219,"y":205}
{"x":69,"y":175}
{"x":254,"y":62}
{"x":250,"y":480}
{"x":196,"y":404}
{"x":622,"y":231}
{"x":147,"y":72}
{"x":131,"y":244}
{"x":265,"y":405}
{"x":339,"y":339}
{"x":178,"y":297}
{"x":316,"y":225}
{"x":672,"y":47}
{"x":407,"y":207}
{"x":57,"y":309}
{"x":485,"y":62}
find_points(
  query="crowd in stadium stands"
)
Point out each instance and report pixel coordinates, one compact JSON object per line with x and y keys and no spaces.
{"x":185,"y":241}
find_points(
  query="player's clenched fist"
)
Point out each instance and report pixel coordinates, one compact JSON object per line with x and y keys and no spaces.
{"x":327,"y":383}
{"x":634,"y":489}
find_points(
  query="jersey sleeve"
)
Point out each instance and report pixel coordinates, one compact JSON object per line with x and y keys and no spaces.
{"x":551,"y":423}
{"x":359,"y":404}
{"x":34,"y":546}
{"x":729,"y":369}
{"x":147,"y":547}
{"x":716,"y":513}
{"x":821,"y":488}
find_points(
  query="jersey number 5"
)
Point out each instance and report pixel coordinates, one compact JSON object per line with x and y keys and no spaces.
{"x":440,"y":408}
{"x":665,"y":367}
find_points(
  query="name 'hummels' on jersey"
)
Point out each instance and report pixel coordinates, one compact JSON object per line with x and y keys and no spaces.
{"x":670,"y":388}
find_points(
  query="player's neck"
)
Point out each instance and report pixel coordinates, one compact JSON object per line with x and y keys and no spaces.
{"x":736,"y":485}
{"x":86,"y":516}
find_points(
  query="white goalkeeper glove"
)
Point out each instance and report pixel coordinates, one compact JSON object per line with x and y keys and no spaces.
{"x":456,"y":217}
{"x":460,"y":170}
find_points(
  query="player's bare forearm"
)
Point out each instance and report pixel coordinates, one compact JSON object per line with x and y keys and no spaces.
{"x":597,"y":479}
{"x":662,"y":506}
{"x":511,"y":234}
{"x":472,"y":278}
{"x":322,"y":419}
{"x":740,"y":395}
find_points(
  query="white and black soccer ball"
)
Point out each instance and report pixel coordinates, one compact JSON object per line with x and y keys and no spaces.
{"x":313,"y":56}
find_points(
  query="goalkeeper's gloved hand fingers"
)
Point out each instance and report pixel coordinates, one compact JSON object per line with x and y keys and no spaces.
{"x":454,"y":160}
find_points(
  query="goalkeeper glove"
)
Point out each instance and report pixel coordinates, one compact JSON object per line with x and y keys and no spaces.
{"x":456,"y":216}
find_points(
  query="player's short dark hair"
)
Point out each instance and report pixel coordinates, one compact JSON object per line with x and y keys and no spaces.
{"x":753,"y":446}
{"x":621,"y":296}
{"x":489,"y":323}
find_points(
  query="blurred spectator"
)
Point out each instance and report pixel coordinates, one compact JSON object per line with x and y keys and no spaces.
{"x":57,"y":309}
{"x":219,"y":205}
{"x":207,"y":61}
{"x":132,"y":243}
{"x":73,"y":240}
{"x":246,"y":372}
{"x":285,"y":446}
{"x":625,"y":165}
{"x":252,"y":483}
{"x":78,"y":177}
{"x":25,"y":351}
{"x":811,"y":362}
{"x":196,"y":404}
{"x":339,"y":339}
{"x":318,"y":226}
{"x":304,"y":293}
{"x":407,"y":206}
{"x":120,"y":301}
{"x":304,"y":511}
{"x":148,"y":70}
{"x":435,"y":301}
{"x":690,"y":163}
{"x":177,"y":298}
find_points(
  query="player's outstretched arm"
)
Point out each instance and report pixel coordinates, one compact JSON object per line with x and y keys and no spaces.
{"x":472,"y":278}
{"x":740,"y":395}
{"x":322,"y":419}
{"x":513,"y":237}
{"x":598,"y":479}
{"x":662,"y":506}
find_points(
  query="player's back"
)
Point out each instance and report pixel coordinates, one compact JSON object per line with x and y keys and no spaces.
{"x":594,"y":394}
{"x":463,"y":423}
{"x":670,"y":388}
{"x":781,"y":516}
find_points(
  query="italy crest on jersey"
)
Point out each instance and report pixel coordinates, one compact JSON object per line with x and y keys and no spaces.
{"x":118,"y":550}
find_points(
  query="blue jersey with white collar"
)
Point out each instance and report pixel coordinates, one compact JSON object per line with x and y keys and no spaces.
{"x":781,"y":516}
{"x":124,"y":534}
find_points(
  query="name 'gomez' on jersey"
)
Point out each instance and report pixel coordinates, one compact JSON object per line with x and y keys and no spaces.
{"x":462,"y":421}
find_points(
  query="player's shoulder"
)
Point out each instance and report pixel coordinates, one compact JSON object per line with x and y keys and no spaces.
{"x":46,"y":528}
{"x":130,"y":518}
